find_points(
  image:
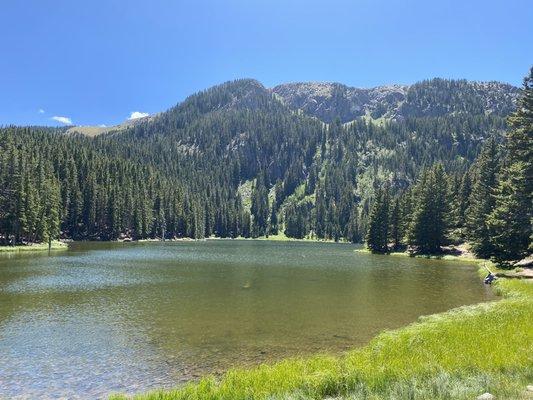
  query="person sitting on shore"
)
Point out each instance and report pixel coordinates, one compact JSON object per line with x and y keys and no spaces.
{"x":489,"y":278}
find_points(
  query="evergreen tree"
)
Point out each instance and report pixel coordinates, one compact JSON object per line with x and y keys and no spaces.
{"x":320,"y":211}
{"x":396,"y":231}
{"x":482,"y":200}
{"x":463,"y":201}
{"x":428,"y":224}
{"x":274,"y":221}
{"x":510,"y":221}
{"x":353,"y":232}
{"x":519,"y":138}
{"x":378,"y":226}
{"x":260,"y":207}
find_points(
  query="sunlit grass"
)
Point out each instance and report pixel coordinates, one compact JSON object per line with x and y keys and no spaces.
{"x":457,"y":354}
{"x":281,"y":237}
{"x":445,"y":257}
{"x":56,"y":245}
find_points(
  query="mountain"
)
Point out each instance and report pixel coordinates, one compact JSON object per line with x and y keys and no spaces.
{"x":431,"y":98}
{"x":328,"y":101}
{"x":240,"y":159}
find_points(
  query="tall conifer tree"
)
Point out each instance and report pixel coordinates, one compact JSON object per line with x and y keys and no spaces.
{"x":378,"y":225}
{"x":482,"y":200}
{"x":510,"y":221}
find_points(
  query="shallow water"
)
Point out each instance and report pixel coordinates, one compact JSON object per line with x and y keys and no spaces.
{"x":129,"y":317}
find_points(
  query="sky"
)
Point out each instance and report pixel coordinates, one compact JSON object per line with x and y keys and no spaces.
{"x":101,"y":62}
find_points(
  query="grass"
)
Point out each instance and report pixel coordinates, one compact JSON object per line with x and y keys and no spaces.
{"x":446,"y":257}
{"x":56,"y":245}
{"x":281,"y":237}
{"x":458,"y":354}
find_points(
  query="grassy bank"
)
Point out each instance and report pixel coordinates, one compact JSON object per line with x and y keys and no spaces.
{"x":56,"y":245}
{"x":458,"y":354}
{"x":281,"y":237}
{"x":447,"y":257}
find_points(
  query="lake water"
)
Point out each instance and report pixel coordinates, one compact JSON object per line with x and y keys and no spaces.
{"x":129,"y":317}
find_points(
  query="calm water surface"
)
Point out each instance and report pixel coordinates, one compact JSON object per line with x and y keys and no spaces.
{"x":104,"y":317}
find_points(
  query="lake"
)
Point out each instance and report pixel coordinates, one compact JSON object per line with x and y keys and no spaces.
{"x":129,"y":317}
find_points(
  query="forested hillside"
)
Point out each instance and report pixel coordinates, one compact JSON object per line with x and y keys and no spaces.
{"x":243,"y":160}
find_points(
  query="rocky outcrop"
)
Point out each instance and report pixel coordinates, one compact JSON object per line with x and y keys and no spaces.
{"x":436,"y":97}
{"x":328,"y":101}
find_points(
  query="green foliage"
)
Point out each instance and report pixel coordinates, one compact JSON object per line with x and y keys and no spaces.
{"x":482,"y":200}
{"x":378,"y":226}
{"x":396,"y":230}
{"x":260,"y":207}
{"x":510,"y":221}
{"x":428,"y":224}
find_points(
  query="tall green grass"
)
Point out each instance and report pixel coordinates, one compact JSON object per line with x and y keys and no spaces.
{"x":458,"y":354}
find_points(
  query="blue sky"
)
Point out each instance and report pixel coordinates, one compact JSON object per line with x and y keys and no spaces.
{"x":95,"y":62}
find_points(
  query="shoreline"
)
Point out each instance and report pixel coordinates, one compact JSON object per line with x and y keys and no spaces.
{"x":492,"y":338}
{"x":63,"y":244}
{"x":444,"y":257}
{"x":56,"y":245}
{"x":465,"y":256}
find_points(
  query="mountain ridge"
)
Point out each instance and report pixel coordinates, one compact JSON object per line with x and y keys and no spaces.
{"x":330,"y":100}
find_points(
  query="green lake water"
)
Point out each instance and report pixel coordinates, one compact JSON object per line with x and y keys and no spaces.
{"x":129,"y":317}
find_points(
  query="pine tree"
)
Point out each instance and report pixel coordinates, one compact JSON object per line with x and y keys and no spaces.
{"x":428,"y":224}
{"x":519,"y":138}
{"x":463,"y":201}
{"x":353,"y":233}
{"x":274,"y":221}
{"x":378,"y":225}
{"x":510,"y":221}
{"x":395,"y":230}
{"x":260,"y":207}
{"x":320,"y":211}
{"x":482,"y":200}
{"x":440,"y":207}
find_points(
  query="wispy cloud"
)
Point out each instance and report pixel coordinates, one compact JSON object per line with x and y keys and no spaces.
{"x":138,"y":114}
{"x":40,"y":111}
{"x":63,"y":120}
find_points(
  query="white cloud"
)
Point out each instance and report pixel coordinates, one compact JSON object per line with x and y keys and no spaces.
{"x":138,"y":114}
{"x":63,"y":120}
{"x":40,"y":111}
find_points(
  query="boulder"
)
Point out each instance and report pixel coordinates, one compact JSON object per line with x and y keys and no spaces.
{"x":525,"y":263}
